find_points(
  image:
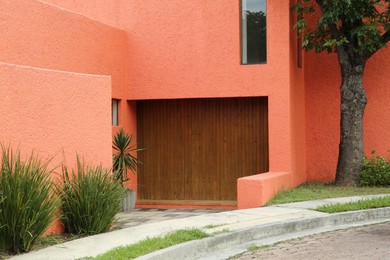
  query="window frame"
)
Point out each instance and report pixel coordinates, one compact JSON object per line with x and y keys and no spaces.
{"x":242,"y":40}
{"x":118,"y":101}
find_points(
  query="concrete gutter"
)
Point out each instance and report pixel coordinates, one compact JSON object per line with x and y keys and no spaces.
{"x":224,"y":245}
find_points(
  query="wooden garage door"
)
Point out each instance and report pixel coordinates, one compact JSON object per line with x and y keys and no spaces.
{"x":196,"y":149}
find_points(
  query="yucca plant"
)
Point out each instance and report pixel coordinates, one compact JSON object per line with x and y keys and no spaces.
{"x":90,"y":199}
{"x":122,"y":159}
{"x":27,"y":201}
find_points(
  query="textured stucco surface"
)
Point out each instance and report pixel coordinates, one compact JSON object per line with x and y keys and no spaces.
{"x":191,"y":49}
{"x":40,"y":35}
{"x":188,"y":49}
{"x":183,"y":49}
{"x":52,"y":103}
{"x":167,"y":49}
{"x":256,"y":190}
{"x":323,"y":81}
{"x":297,"y":110}
{"x":57,"y":114}
{"x":44,"y":36}
{"x":109,"y":12}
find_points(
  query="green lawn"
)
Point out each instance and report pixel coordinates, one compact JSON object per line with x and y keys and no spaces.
{"x":149,"y":245}
{"x":316,"y":191}
{"x":357,"y":205}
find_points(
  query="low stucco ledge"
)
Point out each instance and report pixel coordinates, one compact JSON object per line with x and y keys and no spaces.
{"x":256,"y":190}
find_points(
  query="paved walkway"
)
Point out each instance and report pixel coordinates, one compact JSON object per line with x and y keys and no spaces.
{"x":367,"y":242}
{"x":147,"y":216}
{"x":244,"y":227}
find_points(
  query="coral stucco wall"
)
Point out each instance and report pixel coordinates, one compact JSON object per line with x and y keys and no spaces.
{"x":323,"y":81}
{"x":112,"y":12}
{"x":191,"y":49}
{"x":43,"y":36}
{"x":52,"y":38}
{"x":39,"y":35}
{"x":50,"y":101}
{"x":297,"y":108}
{"x":54,"y":113}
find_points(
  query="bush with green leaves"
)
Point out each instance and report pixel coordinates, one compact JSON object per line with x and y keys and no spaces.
{"x":375,"y":171}
{"x":90,"y":199}
{"x":27,"y":201}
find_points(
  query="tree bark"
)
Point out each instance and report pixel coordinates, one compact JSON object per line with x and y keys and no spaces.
{"x":351,"y":148}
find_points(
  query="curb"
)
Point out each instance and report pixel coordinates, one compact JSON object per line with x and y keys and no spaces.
{"x":201,"y":248}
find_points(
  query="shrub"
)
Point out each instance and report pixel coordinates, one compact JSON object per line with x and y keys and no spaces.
{"x":90,"y":199}
{"x":375,"y":171}
{"x":28,"y":205}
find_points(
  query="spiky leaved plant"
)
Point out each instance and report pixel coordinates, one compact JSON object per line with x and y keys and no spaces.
{"x":123,"y":159}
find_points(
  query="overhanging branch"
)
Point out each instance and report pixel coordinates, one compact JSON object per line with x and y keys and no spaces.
{"x":342,"y":53}
{"x":386,"y":37}
{"x":385,"y":40}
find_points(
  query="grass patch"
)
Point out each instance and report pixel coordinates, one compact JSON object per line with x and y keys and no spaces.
{"x":213,"y":226}
{"x":225,"y":230}
{"x":357,"y":205}
{"x":316,"y":191}
{"x":150,"y":245}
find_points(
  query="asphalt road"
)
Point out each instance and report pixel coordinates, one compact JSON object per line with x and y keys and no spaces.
{"x":366,"y":242}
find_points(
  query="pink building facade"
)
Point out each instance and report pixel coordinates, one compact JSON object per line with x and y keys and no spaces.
{"x":176,"y":71}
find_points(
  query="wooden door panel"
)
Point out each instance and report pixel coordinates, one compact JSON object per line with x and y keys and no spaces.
{"x":196,"y":149}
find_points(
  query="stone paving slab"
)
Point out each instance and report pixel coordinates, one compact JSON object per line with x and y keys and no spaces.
{"x":145,"y":216}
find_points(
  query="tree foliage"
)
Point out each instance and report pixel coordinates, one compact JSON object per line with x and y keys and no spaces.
{"x":356,"y":28}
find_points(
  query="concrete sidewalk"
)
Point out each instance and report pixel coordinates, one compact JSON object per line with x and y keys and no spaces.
{"x":243,"y":227}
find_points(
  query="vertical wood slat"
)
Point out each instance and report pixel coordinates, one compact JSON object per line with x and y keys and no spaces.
{"x":196,"y":149}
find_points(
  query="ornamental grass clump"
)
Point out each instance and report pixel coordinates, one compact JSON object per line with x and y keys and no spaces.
{"x":27,"y":201}
{"x":90,"y":199}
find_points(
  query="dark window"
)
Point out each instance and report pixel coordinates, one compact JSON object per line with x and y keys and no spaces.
{"x":253,"y":31}
{"x":115,"y":112}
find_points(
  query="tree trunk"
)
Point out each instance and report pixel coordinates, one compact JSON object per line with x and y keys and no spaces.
{"x":351,"y":148}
